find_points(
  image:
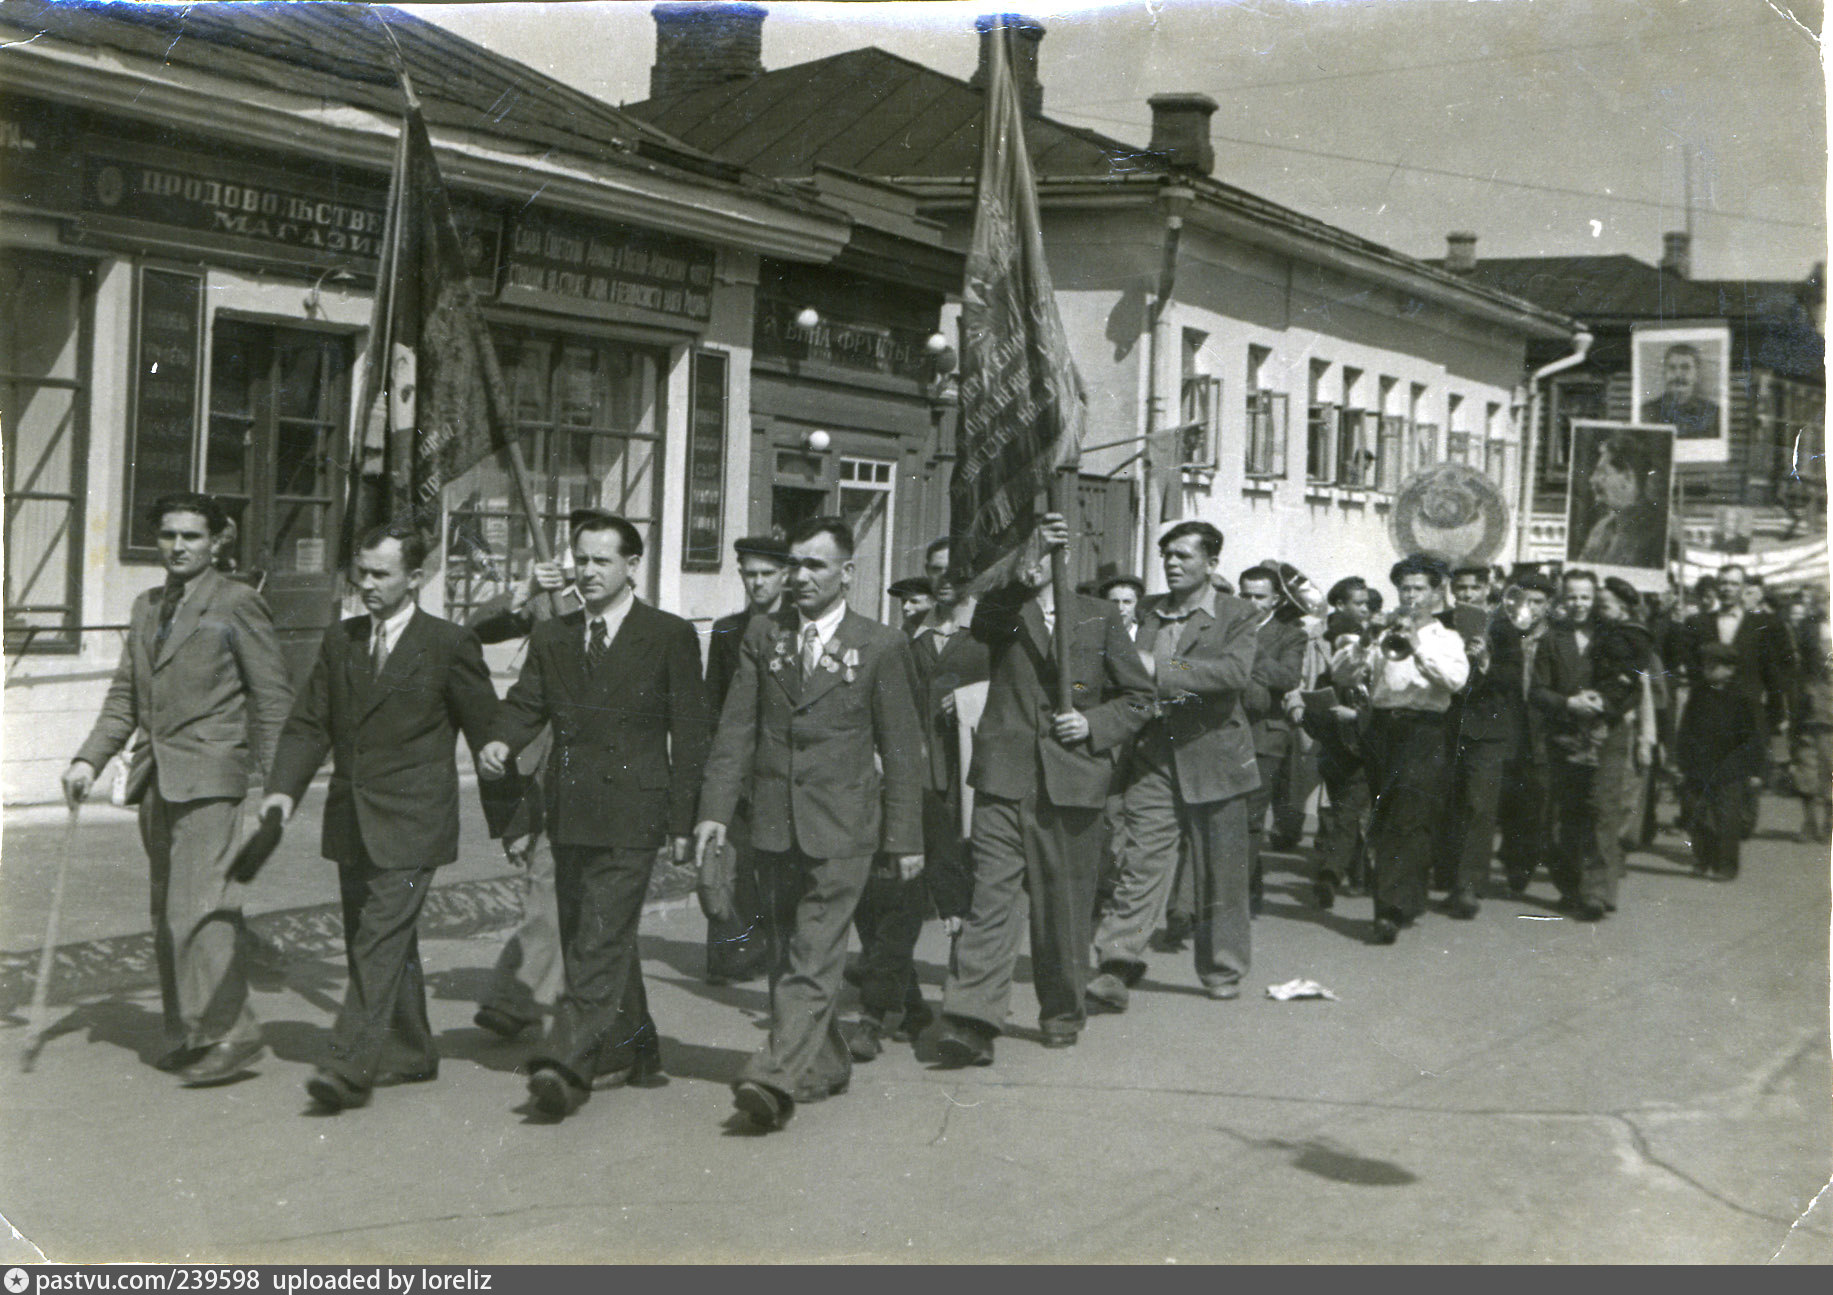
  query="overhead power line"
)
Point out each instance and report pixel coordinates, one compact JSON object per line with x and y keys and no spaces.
{"x":1474,"y":61}
{"x":1469,"y":175}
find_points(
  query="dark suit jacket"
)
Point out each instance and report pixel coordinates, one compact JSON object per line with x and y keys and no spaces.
{"x":723,"y":648}
{"x":1765,"y":657}
{"x":1202,"y":692}
{"x":1279,"y":657}
{"x":1015,"y":753}
{"x":394,"y":772}
{"x":1560,"y":671}
{"x":629,"y":741}
{"x":962,"y":662}
{"x":832,"y":766}
{"x":212,"y":696}
{"x":1722,"y":737}
{"x":1490,"y":708}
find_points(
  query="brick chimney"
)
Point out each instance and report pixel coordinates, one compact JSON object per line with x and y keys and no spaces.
{"x":1677,"y":254}
{"x":1461,"y":252}
{"x":1180,"y":130}
{"x":703,"y":45}
{"x":1028,"y":33}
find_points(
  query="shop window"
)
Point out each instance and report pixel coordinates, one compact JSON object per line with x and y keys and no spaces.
{"x":279,"y":407}
{"x":44,"y":333}
{"x":589,"y":417}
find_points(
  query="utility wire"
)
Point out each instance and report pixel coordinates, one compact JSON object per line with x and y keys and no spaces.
{"x":1468,"y":175}
{"x":1538,"y":52}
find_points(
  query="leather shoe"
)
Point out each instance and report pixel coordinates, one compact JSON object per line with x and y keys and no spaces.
{"x":1589,"y":910}
{"x":1060,"y":1038}
{"x":823,"y":1092}
{"x":220,"y":1063}
{"x":1324,"y":891}
{"x":863,"y":1039}
{"x":395,"y":1078}
{"x":333,"y":1092}
{"x":648,"y":1065}
{"x":963,"y":1045}
{"x":1107,"y":992}
{"x":913,"y":1024}
{"x":1223,"y":990}
{"x":1462,"y":905}
{"x":179,"y":1058}
{"x":764,"y":1107}
{"x":1386,"y":932}
{"x":553,"y":1095}
{"x":499,"y":1022}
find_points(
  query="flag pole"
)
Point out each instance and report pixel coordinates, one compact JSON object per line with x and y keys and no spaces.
{"x":1061,"y":590}
{"x":494,"y":385}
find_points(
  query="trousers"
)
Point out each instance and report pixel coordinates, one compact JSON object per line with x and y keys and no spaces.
{"x":197,"y":919}
{"x":602,"y":1020}
{"x":529,"y":974}
{"x":383,"y":1022}
{"x":1035,"y":865}
{"x":1469,"y":839}
{"x":1407,"y":768}
{"x":1213,"y":838}
{"x":808,"y":905}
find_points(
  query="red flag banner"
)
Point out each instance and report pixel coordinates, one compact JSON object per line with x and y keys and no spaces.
{"x":1022,"y":401}
{"x":434,"y":403}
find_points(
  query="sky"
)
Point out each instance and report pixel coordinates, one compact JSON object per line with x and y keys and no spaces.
{"x":1546,"y":127}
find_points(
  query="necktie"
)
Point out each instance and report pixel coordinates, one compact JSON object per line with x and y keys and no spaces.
{"x":378,"y":651}
{"x":811,"y":650}
{"x":598,"y":647}
{"x":169,"y":598}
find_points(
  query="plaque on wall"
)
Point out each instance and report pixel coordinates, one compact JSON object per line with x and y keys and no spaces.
{"x":706,"y":464}
{"x":608,"y":271}
{"x":162,"y":435}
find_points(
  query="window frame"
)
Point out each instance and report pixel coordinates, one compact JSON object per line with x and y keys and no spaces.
{"x":67,"y":639}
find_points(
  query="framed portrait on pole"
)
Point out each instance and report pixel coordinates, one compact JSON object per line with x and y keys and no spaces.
{"x":1681,"y":376}
{"x":1619,"y":504}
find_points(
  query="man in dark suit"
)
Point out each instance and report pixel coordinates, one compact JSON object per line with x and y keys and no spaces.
{"x":892,"y":910}
{"x":1040,"y":777}
{"x":737,"y":947}
{"x":820,"y":732}
{"x":1279,"y":655}
{"x":1488,"y":724}
{"x":1764,"y":663}
{"x":387,"y":698}
{"x":620,"y":683}
{"x":1587,"y":755}
{"x":203,"y":675}
{"x":1194,"y":777}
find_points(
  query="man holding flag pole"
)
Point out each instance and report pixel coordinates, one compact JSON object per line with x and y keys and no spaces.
{"x":1067,"y":688}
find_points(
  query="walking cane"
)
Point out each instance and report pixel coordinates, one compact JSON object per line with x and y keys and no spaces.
{"x":41,"y":989}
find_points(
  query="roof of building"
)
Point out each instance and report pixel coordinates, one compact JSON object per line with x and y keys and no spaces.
{"x":875,"y":113}
{"x":347,"y":53}
{"x":1621,"y":290}
{"x":1616,"y":286}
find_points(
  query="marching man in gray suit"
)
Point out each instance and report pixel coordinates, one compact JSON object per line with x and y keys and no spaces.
{"x":203,"y":675}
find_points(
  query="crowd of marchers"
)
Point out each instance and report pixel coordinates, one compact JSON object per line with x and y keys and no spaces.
{"x":1095,"y":781}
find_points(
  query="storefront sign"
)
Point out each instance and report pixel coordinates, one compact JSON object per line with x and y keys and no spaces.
{"x":608,"y":271}
{"x":163,"y":435}
{"x":706,"y":464}
{"x":194,"y":200}
{"x":844,"y":343}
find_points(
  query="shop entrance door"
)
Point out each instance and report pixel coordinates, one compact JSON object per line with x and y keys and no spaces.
{"x":857,"y":488}
{"x":279,"y":402}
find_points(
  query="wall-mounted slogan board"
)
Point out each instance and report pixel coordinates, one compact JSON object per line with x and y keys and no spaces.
{"x":706,"y":464}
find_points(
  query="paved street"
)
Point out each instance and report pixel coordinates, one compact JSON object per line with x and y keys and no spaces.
{"x":1514,"y":1089}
